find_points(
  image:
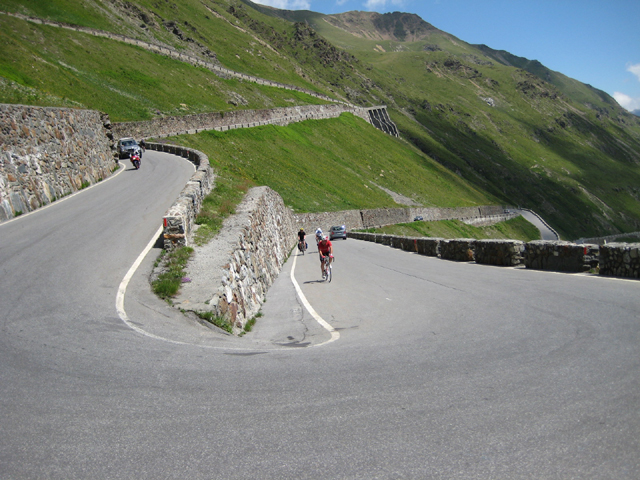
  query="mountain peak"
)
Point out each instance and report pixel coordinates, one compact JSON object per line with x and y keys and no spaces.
{"x":397,"y":26}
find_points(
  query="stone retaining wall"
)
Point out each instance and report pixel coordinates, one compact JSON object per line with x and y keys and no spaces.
{"x":47,"y":153}
{"x":229,"y":276}
{"x":191,"y":124}
{"x":360,"y":219}
{"x":266,"y":235}
{"x":620,"y":260}
{"x":559,"y":256}
{"x":499,"y":252}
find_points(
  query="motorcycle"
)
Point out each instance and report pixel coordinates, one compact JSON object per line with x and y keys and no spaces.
{"x":135,"y":160}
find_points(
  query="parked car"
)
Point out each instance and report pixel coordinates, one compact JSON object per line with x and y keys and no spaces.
{"x":338,"y":232}
{"x":126,"y":146}
{"x":418,"y":218}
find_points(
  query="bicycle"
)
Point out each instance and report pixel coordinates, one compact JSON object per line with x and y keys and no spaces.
{"x":326,"y":268}
{"x":302,"y":246}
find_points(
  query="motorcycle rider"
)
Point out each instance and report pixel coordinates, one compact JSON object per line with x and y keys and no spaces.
{"x":135,"y":157}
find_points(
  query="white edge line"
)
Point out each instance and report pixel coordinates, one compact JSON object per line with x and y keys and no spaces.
{"x":335,"y":335}
{"x":122,"y":290}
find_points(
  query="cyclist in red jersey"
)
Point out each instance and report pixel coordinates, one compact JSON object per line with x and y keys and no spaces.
{"x":325,"y":248}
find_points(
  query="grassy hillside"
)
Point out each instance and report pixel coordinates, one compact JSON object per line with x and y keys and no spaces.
{"x":314,"y":170}
{"x":501,"y":128}
{"x":508,"y":125}
{"x":48,"y":66}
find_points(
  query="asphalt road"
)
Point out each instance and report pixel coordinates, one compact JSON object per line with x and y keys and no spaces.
{"x":424,"y":368}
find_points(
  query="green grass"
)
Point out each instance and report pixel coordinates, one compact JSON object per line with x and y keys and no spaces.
{"x":515,"y":229}
{"x":47,"y":66}
{"x":218,"y":205}
{"x":215,"y":320}
{"x":314,"y":171}
{"x":168,"y":283}
{"x":563,"y":149}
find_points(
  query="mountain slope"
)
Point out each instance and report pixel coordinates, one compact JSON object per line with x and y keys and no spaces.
{"x":504,"y":125}
{"x":526,"y":134}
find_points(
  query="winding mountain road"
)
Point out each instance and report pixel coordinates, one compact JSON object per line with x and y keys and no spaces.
{"x":432,"y":369}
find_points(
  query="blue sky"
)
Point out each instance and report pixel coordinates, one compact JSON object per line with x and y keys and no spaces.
{"x":594,"y":41}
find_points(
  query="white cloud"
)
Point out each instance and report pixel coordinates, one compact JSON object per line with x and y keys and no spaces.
{"x":286,"y":4}
{"x":635,"y":69}
{"x":627,"y":102}
{"x":375,"y":5}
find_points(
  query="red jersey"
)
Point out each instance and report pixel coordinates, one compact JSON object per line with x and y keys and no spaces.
{"x":324,"y":247}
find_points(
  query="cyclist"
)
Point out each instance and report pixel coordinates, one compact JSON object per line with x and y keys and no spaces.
{"x":301,"y":239}
{"x":325,"y":248}
{"x":318,"y":234}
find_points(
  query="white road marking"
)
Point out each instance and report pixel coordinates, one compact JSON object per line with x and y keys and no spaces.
{"x":334,"y":334}
{"x":122,"y":290}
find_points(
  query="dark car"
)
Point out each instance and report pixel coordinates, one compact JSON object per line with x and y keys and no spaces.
{"x":418,"y":218}
{"x":127,"y":146}
{"x":338,"y":232}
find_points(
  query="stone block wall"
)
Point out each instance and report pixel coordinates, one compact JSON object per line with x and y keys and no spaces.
{"x":222,"y":121}
{"x":255,"y":243}
{"x":499,"y":252}
{"x":429,"y":246}
{"x":179,"y":220}
{"x":620,"y":260}
{"x":615,"y":259}
{"x":47,"y":153}
{"x":460,"y":250}
{"x":560,"y":256}
{"x":361,"y":219}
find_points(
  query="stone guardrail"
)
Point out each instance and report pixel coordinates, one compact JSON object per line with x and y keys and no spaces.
{"x":619,"y":260}
{"x":179,"y":219}
{"x":224,"y":121}
{"x":609,"y":238}
{"x":379,"y":217}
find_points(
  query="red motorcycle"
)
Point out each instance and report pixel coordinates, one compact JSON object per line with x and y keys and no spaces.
{"x":135,"y":160}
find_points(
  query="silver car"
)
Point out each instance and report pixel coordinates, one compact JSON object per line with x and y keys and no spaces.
{"x":338,"y":232}
{"x":127,"y":146}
